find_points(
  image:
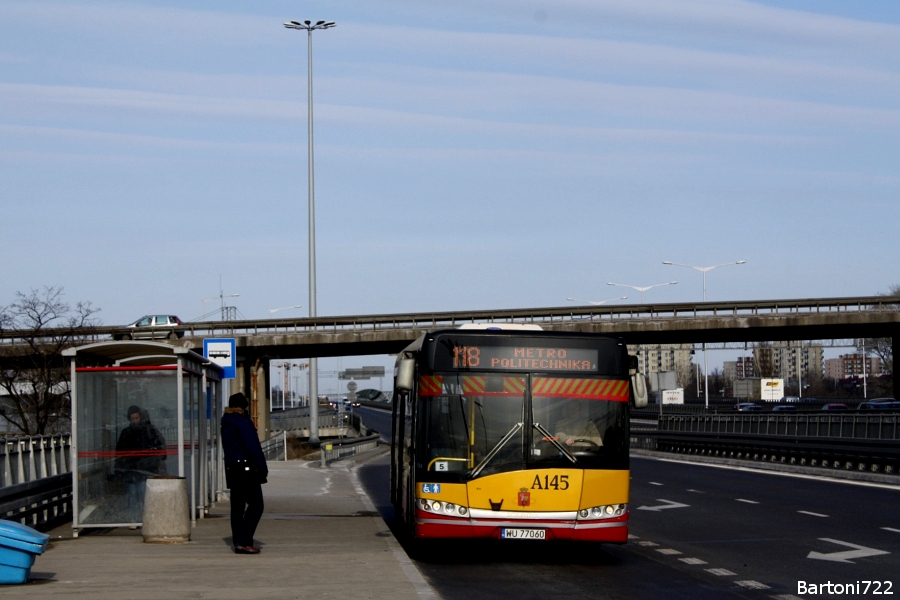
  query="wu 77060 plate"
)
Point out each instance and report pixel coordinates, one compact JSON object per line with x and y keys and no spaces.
{"x":523,"y":534}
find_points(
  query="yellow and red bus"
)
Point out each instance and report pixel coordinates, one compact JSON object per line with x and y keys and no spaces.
{"x":513,"y":434}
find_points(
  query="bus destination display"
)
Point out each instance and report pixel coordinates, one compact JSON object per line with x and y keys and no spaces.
{"x":523,"y":358}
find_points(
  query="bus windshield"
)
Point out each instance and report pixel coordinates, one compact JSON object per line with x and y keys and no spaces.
{"x":473,"y":425}
{"x":586,"y":417}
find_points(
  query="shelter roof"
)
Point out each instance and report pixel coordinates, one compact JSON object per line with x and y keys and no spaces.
{"x":135,"y":353}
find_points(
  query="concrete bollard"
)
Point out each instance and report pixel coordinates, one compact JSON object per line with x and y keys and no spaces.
{"x":167,"y":518}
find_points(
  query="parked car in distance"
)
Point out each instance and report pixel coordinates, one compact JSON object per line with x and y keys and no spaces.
{"x":789,"y":399}
{"x":879,"y":404}
{"x":747,"y":407}
{"x":152,"y":327}
{"x":784,"y":408}
{"x":835,"y":406}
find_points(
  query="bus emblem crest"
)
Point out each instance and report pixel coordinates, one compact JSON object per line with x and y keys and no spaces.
{"x":524,"y":497}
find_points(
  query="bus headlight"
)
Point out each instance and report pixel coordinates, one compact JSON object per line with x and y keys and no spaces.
{"x":436,"y":506}
{"x":449,"y":507}
{"x":608,"y":511}
{"x":463,"y":510}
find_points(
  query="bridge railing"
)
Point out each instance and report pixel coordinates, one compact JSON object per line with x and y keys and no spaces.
{"x":546,"y":316}
{"x":29,"y":458}
{"x":36,"y":480}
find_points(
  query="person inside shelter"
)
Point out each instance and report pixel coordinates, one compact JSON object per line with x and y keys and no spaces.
{"x":140,"y":453}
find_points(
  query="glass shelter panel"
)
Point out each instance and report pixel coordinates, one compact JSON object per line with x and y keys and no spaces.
{"x":127,"y":432}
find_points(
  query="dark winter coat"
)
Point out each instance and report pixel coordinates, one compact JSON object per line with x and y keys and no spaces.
{"x":241,"y":446}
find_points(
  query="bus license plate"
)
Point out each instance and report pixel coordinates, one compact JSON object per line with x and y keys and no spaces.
{"x":523,"y":534}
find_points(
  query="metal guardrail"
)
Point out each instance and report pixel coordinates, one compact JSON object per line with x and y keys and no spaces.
{"x":275,"y":448}
{"x":280,"y":421}
{"x":334,"y":450}
{"x":547,"y":316}
{"x":30,"y":458}
{"x":859,"y":426}
{"x":42,"y":503}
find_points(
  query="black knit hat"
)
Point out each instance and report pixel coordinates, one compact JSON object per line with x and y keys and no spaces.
{"x":238,"y":400}
{"x":133,"y":409}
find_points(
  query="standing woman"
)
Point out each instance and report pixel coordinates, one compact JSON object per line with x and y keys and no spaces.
{"x":245,"y":472}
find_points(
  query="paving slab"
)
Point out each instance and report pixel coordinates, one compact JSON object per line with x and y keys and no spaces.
{"x":320,"y":537}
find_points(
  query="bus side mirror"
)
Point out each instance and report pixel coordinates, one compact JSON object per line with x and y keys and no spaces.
{"x":639,"y":390}
{"x":406,"y":370}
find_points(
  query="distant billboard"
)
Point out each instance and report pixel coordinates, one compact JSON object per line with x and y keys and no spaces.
{"x":675,"y":396}
{"x":361,"y":373}
{"x":771,"y":390}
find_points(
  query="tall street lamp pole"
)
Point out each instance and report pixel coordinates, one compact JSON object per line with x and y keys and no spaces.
{"x":309,"y":27}
{"x":643,"y":289}
{"x":705,"y":359}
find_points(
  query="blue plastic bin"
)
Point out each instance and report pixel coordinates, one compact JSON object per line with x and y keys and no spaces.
{"x":19,"y":544}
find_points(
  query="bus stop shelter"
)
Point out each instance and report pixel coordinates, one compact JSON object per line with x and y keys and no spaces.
{"x":141,"y":409}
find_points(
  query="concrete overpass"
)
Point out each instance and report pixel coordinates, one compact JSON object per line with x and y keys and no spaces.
{"x":258,"y":341}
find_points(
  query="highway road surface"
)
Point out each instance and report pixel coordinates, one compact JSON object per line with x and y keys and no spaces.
{"x":696,"y":532}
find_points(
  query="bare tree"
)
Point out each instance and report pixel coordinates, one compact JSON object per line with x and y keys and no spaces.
{"x":764,"y":360}
{"x":883,"y":348}
{"x":34,"y":377}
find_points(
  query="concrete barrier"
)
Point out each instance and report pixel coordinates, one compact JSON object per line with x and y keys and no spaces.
{"x":167,"y":518}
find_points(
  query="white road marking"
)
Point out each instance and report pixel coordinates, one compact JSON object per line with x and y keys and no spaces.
{"x":747,"y":501}
{"x":891,"y":529}
{"x":886,"y":486}
{"x":697,"y":491}
{"x":753,"y":585}
{"x":668,"y":504}
{"x":654,"y":483}
{"x":633,"y":537}
{"x":846,"y":555}
{"x":668,"y":551}
{"x":648,"y":544}
{"x":693,"y":561}
{"x":812,"y":514}
{"x":720,"y":572}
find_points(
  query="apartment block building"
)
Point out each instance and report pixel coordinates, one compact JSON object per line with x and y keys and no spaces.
{"x":851,"y":365}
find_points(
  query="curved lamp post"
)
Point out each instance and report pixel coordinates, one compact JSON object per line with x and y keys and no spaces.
{"x":643,"y":289}
{"x":595,"y":302}
{"x":704,"y":270}
{"x":309,"y":27}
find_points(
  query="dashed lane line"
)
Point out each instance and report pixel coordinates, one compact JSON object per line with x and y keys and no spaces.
{"x":891,"y":529}
{"x":655,"y":483}
{"x":721,"y":572}
{"x":696,"y":491}
{"x":668,"y":551}
{"x":746,"y":501}
{"x":693,"y":561}
{"x":752,"y":585}
{"x":812,"y":514}
{"x":648,"y":544}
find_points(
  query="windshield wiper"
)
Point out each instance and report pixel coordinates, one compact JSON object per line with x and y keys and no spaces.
{"x":547,"y":436}
{"x":496,"y":449}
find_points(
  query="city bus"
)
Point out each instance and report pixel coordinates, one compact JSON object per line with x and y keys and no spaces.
{"x":513,"y":434}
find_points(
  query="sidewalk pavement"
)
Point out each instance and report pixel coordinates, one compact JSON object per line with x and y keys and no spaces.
{"x":320,"y":535}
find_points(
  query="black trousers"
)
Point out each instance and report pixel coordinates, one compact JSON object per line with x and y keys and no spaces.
{"x":246,"y":508}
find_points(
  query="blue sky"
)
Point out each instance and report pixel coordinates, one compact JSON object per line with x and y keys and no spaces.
{"x":469,"y":154}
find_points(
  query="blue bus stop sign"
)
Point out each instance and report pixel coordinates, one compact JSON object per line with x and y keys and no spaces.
{"x":223,"y":353}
